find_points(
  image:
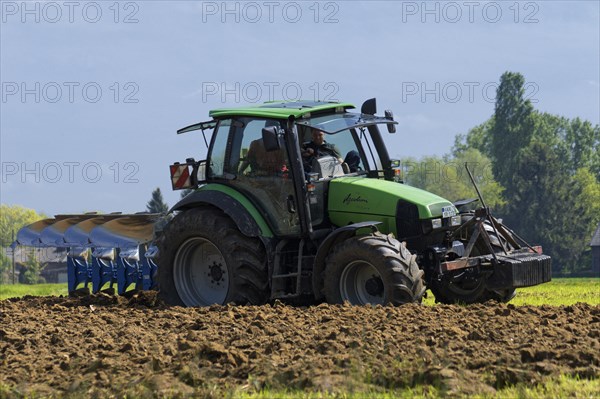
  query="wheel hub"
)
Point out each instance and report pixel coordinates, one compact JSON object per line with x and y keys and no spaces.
{"x":215,"y":273}
{"x":374,"y":286}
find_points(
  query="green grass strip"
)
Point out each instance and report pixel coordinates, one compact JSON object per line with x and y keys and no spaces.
{"x":560,"y":291}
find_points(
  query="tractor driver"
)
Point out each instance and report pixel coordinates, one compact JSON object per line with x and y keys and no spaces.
{"x":318,"y":147}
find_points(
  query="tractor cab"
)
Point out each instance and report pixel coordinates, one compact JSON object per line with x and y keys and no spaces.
{"x":248,"y":151}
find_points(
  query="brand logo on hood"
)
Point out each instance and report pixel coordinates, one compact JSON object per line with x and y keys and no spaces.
{"x":357,"y":198}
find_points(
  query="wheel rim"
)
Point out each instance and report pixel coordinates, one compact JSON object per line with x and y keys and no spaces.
{"x":200,"y":273}
{"x":361,"y":283}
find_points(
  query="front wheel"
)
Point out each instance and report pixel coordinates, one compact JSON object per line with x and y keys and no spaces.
{"x":204,"y":259}
{"x":372,"y":269}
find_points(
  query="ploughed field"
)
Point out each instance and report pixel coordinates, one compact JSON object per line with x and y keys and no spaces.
{"x":106,"y":345}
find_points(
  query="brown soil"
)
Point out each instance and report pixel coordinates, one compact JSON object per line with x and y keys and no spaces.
{"x":107,"y":345}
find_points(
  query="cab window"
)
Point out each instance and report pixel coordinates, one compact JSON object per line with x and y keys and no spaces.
{"x":344,"y":143}
{"x":263,"y":176}
{"x":219,"y":150}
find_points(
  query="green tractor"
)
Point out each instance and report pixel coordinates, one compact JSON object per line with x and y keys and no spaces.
{"x":300,"y":201}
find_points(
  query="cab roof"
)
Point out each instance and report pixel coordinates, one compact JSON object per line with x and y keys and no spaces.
{"x":283,"y":109}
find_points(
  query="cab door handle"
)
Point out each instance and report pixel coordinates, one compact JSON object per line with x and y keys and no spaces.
{"x":290,"y":204}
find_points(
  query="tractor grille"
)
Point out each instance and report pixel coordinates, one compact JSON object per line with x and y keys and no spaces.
{"x":407,"y":220}
{"x":521,"y":269}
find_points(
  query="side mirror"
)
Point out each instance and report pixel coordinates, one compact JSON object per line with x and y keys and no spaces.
{"x":391,"y":127}
{"x":270,"y":137}
{"x":199,"y":174}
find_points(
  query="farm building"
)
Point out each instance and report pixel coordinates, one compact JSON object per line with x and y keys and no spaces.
{"x":53,"y":261}
{"x":595,"y":244}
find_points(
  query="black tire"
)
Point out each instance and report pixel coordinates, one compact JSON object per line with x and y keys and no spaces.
{"x":473,"y":290}
{"x":376,"y":269}
{"x":468,"y":292}
{"x":204,"y":259}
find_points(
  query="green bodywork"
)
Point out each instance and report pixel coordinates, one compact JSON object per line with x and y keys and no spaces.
{"x":239,"y":197}
{"x":358,"y":199}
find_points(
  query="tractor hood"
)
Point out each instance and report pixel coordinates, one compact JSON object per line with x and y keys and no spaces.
{"x":361,"y":195}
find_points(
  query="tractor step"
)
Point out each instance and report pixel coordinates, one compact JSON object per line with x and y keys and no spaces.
{"x":296,"y":258}
{"x":286,"y":275}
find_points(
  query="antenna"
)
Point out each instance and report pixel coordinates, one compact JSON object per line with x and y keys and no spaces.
{"x":475,"y":185}
{"x":487,"y":210}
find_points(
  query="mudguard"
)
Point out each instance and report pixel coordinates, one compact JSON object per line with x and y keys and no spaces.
{"x":245,"y":215}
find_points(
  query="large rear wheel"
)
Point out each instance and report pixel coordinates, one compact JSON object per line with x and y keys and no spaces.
{"x":204,"y":259}
{"x":372,"y":269}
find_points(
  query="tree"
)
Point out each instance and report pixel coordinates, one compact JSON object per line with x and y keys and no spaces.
{"x":447,"y":177}
{"x":5,"y":268}
{"x":479,"y":138}
{"x":540,"y":206}
{"x":512,"y":128}
{"x":156,"y":203}
{"x":588,"y":205}
{"x":555,"y":208}
{"x":583,"y":140}
{"x":33,"y":267}
{"x":576,"y":141}
{"x":12,"y":218}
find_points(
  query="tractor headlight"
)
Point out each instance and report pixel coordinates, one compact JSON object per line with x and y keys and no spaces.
{"x":436,"y":223}
{"x":455,"y":220}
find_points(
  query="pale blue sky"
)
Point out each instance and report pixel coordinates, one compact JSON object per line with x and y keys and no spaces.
{"x":177,"y":53}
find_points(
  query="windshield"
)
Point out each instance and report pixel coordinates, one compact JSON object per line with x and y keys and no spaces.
{"x":352,"y":146}
{"x":336,"y":123}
